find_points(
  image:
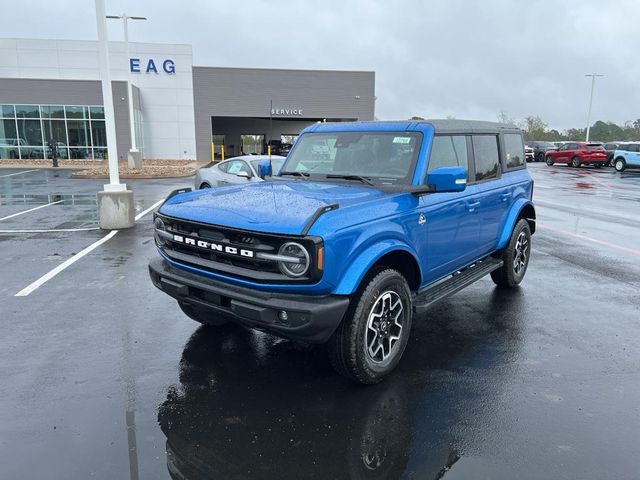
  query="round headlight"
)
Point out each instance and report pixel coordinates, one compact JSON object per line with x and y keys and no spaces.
{"x":159,"y":225}
{"x":297,"y":251}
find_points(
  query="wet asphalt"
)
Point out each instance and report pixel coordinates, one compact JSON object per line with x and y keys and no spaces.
{"x":104,"y":377}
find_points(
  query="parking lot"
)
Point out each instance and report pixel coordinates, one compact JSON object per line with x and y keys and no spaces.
{"x":104,"y":377}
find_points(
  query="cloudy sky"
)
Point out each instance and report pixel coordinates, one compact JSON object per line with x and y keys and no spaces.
{"x":434,"y":58}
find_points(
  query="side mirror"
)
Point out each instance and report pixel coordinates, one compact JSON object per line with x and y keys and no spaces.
{"x":243,"y":174}
{"x":264,"y":170}
{"x":448,"y":179}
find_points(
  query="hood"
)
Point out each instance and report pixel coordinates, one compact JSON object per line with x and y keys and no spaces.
{"x":270,"y":207}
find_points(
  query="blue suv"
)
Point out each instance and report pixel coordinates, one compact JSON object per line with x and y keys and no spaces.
{"x":366,"y":225}
{"x":626,"y":156}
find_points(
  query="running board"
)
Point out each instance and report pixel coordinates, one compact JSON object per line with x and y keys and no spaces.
{"x":455,"y":283}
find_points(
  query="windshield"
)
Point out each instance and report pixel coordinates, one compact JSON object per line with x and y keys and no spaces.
{"x":276,"y":164}
{"x":387,"y":157}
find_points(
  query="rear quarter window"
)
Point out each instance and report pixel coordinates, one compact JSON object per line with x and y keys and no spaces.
{"x":513,"y":151}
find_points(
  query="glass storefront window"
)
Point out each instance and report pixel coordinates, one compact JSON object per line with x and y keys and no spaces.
{"x":96,"y":112}
{"x":28,"y":111}
{"x":54,"y":129}
{"x":77,"y":112}
{"x":30,"y":132}
{"x":52,"y":111}
{"x":78,"y":131}
{"x":7,"y":111}
{"x":8,"y":140}
{"x":100,"y":153}
{"x":99,"y":133}
{"x":26,"y":129}
{"x":80,"y":153}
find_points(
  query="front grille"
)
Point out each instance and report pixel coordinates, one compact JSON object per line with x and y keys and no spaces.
{"x":231,"y":251}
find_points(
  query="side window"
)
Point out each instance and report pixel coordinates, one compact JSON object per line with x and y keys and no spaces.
{"x":448,"y":151}
{"x":513,"y":150}
{"x":485,"y":151}
{"x":234,"y":167}
{"x":223,"y":167}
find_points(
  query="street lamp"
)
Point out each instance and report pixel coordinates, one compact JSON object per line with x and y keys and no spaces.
{"x":134,"y":154}
{"x":593,"y":81}
{"x":115,"y":202}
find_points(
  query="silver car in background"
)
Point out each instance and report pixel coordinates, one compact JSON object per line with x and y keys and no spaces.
{"x":236,"y":170}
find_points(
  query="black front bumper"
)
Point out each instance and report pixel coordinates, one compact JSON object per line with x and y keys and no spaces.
{"x":310,"y":318}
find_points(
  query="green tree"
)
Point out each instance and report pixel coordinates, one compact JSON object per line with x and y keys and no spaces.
{"x":534,"y":128}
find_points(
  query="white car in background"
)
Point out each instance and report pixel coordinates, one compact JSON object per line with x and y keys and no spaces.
{"x":237,"y":170}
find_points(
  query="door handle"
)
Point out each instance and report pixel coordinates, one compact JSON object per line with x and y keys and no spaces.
{"x":505,"y":196}
{"x":471,"y":206}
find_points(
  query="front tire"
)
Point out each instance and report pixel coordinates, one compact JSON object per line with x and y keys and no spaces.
{"x":202,"y":316}
{"x":515,"y":257}
{"x":205,"y":185}
{"x":575,"y":162}
{"x":372,"y":337}
{"x":539,"y":157}
{"x":620,"y":165}
{"x":549,"y":160}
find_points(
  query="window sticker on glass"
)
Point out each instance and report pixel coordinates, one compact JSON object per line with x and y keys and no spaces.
{"x":401,"y":139}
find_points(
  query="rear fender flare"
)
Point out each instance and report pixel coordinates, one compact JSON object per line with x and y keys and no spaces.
{"x":512,"y":218}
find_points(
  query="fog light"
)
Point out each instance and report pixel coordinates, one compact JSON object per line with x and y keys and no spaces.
{"x":283,"y":316}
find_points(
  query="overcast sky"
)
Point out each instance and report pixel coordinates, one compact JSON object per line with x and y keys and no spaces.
{"x":433,"y":58}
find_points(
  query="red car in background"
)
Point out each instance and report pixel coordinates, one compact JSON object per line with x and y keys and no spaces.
{"x":578,"y":153}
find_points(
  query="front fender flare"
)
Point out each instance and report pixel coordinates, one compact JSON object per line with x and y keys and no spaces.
{"x":353,"y":275}
{"x":510,"y":222}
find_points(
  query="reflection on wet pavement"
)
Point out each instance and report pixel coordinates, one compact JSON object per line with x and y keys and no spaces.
{"x":251,"y":406}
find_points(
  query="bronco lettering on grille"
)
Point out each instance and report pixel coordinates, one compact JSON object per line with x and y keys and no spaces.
{"x":213,"y":246}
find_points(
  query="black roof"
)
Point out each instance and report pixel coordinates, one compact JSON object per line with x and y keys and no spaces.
{"x":470,"y":126}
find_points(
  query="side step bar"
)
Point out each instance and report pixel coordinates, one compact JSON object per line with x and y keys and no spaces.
{"x":427,"y":297}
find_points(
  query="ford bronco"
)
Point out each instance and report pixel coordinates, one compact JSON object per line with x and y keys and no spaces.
{"x":349,"y":247}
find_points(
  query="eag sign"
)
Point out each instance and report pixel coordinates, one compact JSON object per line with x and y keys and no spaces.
{"x":136,"y":65}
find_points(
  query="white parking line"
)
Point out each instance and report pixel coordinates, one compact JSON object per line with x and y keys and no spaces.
{"x":18,"y":173}
{"x":70,"y":261}
{"x":30,"y":210}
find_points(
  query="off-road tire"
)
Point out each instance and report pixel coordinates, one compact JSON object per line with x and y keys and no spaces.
{"x":575,"y":162}
{"x":549,"y":160}
{"x":347,"y":347}
{"x":507,"y":276}
{"x":202,"y":316}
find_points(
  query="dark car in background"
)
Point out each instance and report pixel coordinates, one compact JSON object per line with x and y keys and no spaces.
{"x":611,"y":147}
{"x":576,"y":154}
{"x":540,"y":149}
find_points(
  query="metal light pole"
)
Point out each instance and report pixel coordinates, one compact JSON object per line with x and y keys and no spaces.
{"x":115,"y":203}
{"x":134,"y":154}
{"x":593,"y":82}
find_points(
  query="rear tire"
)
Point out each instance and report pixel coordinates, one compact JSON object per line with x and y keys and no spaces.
{"x":549,"y":160}
{"x":620,"y":164}
{"x":575,"y":162}
{"x":202,"y":316}
{"x":205,"y":185}
{"x":373,"y":334}
{"x":515,"y":257}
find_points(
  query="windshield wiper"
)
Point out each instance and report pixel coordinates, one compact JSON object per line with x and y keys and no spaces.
{"x":304,"y":175}
{"x":353,"y":177}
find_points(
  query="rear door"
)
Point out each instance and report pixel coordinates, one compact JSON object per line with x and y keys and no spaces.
{"x":491,"y":192}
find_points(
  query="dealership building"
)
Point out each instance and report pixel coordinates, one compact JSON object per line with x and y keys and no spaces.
{"x":50,"y":90}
